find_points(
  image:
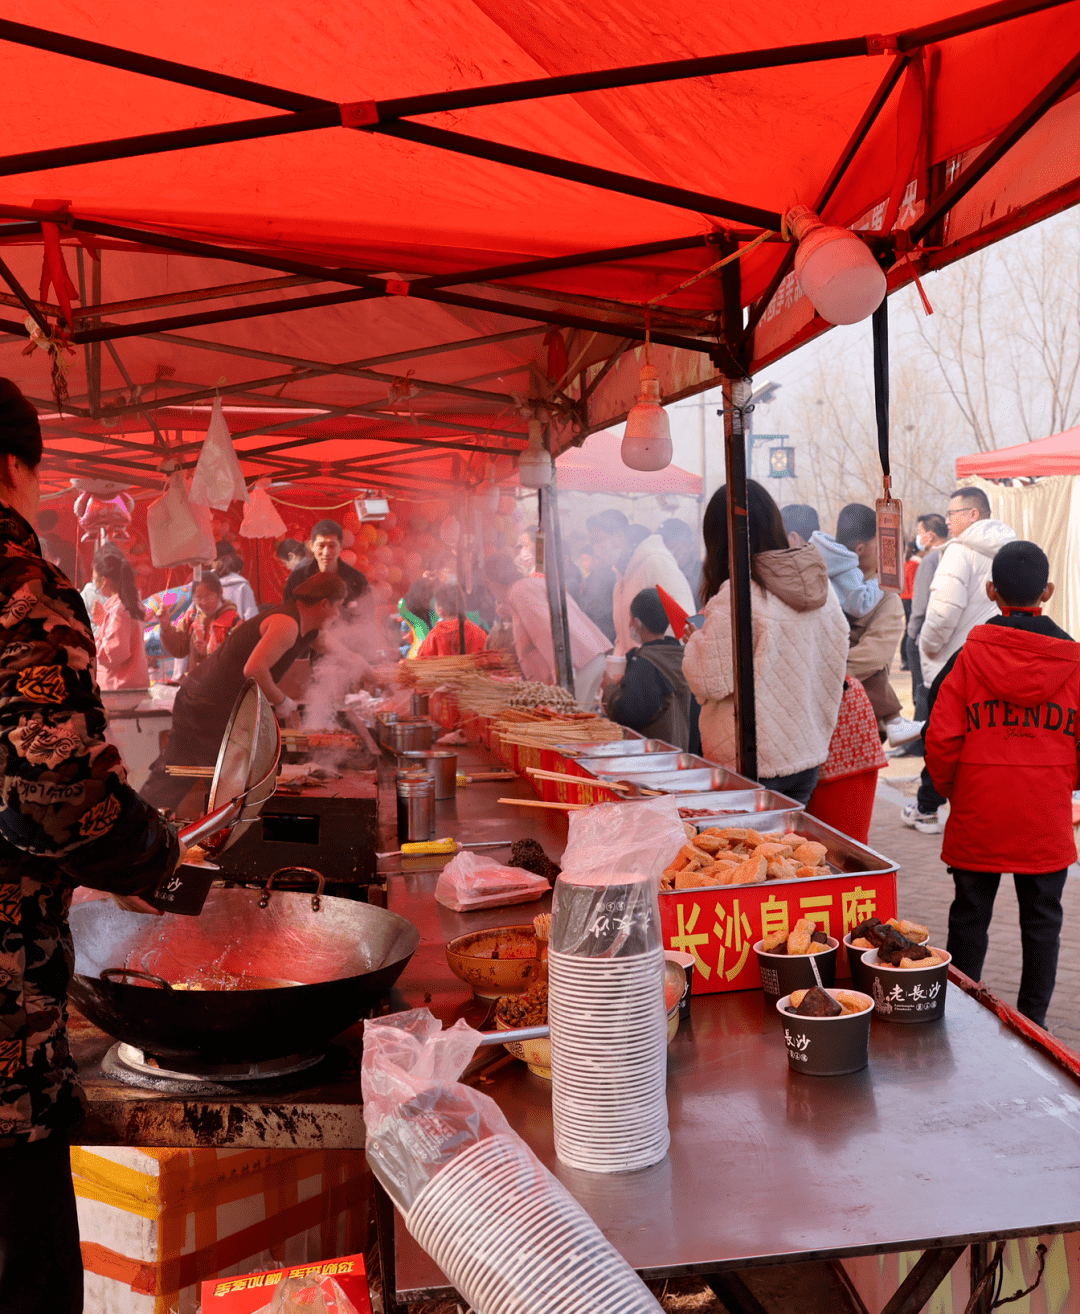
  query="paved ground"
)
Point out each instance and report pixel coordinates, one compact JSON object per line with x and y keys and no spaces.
{"x":924,"y":890}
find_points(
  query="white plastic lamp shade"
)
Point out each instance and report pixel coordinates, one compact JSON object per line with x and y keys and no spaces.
{"x":534,"y":468}
{"x":835,"y":269}
{"x":646,"y":444}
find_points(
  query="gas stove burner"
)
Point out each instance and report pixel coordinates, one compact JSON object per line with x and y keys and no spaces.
{"x":133,"y":1066}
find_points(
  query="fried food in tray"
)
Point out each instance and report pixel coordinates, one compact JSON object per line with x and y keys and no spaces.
{"x":740,"y":855}
{"x":804,"y":938}
{"x":816,"y":1002}
{"x":899,"y":943}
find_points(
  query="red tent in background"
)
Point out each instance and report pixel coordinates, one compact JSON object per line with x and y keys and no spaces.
{"x":596,"y":467}
{"x":1057,"y":455}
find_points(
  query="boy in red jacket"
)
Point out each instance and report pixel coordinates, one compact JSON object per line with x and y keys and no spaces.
{"x":1002,"y":746}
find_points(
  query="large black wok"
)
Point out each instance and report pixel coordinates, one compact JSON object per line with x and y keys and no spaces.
{"x":346,"y":955}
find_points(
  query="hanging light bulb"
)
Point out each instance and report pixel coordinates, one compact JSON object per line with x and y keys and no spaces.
{"x":487,"y":495}
{"x":835,"y":269}
{"x":534,"y":467}
{"x":646,"y":443}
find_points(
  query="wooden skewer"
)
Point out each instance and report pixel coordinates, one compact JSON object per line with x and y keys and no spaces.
{"x":539,"y":803}
{"x":577,"y":780}
{"x":197,"y":772}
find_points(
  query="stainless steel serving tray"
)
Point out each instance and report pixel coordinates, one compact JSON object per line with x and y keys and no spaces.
{"x":728,"y":805}
{"x":616,"y":767}
{"x":704,"y":780}
{"x":616,"y":748}
{"x":842,"y":853}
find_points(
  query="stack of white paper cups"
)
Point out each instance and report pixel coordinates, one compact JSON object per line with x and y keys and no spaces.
{"x":608,"y":1025}
{"x":512,"y":1240}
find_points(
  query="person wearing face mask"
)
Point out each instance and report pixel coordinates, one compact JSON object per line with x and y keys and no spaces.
{"x":931,"y":535}
{"x":229,"y":569}
{"x":652,"y":695}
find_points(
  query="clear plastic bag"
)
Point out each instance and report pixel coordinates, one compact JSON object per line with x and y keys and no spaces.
{"x":312,"y":1295}
{"x":261,"y":518}
{"x":509,"y":1237}
{"x":180,"y":532}
{"x":471,"y":881}
{"x":606,"y":900}
{"x":418,"y":1116}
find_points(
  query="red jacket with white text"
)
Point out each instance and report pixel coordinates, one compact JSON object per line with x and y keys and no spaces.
{"x":1002,"y":744}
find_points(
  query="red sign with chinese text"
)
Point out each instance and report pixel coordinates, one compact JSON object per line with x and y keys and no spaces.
{"x":720,"y":926}
{"x":255,"y":1291}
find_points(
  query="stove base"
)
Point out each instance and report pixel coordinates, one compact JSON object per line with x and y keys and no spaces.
{"x":132,"y":1066}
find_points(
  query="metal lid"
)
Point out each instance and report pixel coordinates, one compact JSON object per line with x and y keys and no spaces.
{"x":427,"y":754}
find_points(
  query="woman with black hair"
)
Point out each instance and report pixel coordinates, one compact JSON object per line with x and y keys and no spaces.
{"x":121,"y":653}
{"x":800,"y":649}
{"x":67,"y":817}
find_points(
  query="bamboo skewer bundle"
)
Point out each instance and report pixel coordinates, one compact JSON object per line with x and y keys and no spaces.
{"x":431,"y":672}
{"x":195,"y":772}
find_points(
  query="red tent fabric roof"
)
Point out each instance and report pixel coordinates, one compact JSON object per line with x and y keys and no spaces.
{"x":392,"y":253}
{"x":1057,"y":455}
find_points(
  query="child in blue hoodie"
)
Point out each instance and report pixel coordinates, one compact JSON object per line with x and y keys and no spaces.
{"x":858,"y":595}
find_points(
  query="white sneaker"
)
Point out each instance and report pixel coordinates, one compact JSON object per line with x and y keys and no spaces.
{"x":926,"y":823}
{"x":900,"y":731}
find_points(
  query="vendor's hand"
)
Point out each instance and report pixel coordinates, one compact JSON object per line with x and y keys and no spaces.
{"x":285,"y":709}
{"x":610,"y":681}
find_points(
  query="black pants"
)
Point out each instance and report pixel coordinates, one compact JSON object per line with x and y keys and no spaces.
{"x":799,"y":786}
{"x":40,"y":1263}
{"x":905,"y":645}
{"x":1039,"y":898}
{"x":920,"y":694}
{"x":194,"y":740}
{"x":929,"y":800}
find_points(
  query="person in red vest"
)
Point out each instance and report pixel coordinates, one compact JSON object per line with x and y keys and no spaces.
{"x":444,"y":639}
{"x":1002,"y":746}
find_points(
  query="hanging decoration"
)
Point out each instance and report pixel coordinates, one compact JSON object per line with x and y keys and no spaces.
{"x":261,"y":518}
{"x":103,"y":507}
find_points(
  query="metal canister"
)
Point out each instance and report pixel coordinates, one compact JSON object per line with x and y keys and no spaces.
{"x":406,"y":735}
{"x":420,"y":704}
{"x":382,"y":721}
{"x":415,"y":807}
{"x":440,"y":764}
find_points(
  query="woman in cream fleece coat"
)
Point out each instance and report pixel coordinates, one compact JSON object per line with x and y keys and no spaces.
{"x":800,"y":650}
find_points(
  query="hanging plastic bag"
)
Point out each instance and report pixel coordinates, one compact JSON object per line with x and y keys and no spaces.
{"x":471,"y":881}
{"x":218,"y":479}
{"x":509,"y":1237}
{"x":606,"y":899}
{"x":180,"y":534}
{"x":261,"y":519}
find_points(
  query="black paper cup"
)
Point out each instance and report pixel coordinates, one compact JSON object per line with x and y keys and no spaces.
{"x":907,"y":994}
{"x":827,"y":1046}
{"x":783,"y":973}
{"x":859,"y":976}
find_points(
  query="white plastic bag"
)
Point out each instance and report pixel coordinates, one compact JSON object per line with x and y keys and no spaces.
{"x":218,"y":479}
{"x":605,"y":903}
{"x":179,"y":533}
{"x":470,"y":881}
{"x":261,"y":518}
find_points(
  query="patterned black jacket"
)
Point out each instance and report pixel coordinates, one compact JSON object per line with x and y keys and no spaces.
{"x":67,"y":817}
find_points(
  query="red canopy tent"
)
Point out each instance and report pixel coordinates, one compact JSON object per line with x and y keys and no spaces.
{"x":430,"y":227}
{"x":1057,"y":455}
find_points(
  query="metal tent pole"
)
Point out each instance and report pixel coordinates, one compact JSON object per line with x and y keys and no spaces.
{"x":555,"y":580}
{"x":737,"y":394}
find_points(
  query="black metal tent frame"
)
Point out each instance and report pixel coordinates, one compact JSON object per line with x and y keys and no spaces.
{"x":724,"y":337}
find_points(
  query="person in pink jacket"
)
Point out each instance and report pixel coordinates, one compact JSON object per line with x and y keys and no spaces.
{"x":121,"y":654}
{"x":526,"y":600}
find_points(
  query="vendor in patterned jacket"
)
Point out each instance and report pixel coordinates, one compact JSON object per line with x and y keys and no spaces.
{"x":67,"y":817}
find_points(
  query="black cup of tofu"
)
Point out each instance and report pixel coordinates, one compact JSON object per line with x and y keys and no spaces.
{"x":860,"y":978}
{"x":907,"y":994}
{"x":783,"y":973}
{"x":828,"y":1046}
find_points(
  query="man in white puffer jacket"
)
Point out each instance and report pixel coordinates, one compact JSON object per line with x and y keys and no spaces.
{"x":958,"y":600}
